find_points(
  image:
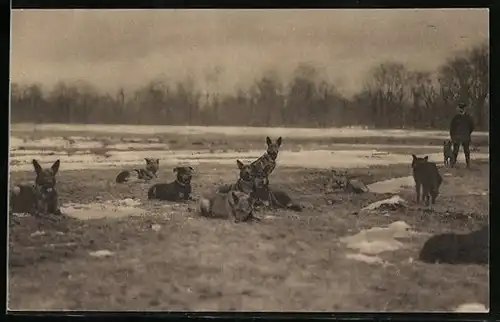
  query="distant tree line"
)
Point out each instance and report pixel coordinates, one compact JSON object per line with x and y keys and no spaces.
{"x":391,"y":97}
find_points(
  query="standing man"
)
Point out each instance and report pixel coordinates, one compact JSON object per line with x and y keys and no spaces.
{"x":461,"y":128}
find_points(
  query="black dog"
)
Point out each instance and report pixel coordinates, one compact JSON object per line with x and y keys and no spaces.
{"x":451,"y":248}
{"x":180,"y":189}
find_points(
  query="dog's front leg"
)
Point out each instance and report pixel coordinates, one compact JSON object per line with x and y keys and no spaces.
{"x":53,"y":206}
{"x":253,"y":218}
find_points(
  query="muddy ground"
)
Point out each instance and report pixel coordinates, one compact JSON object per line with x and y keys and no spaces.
{"x":168,"y":258}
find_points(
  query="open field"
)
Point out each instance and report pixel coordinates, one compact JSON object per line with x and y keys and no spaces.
{"x":163,"y":256}
{"x":214,"y":137}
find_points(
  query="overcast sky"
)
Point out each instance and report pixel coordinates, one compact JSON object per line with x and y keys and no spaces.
{"x":113,"y":48}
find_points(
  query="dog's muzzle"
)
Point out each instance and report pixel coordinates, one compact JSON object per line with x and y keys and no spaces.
{"x":185,"y":179}
{"x":273,"y":155}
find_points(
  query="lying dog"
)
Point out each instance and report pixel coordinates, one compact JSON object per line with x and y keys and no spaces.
{"x":451,"y":248}
{"x":276,"y":198}
{"x":40,"y":198}
{"x":152,"y":167}
{"x":180,"y":189}
{"x":254,"y":182}
{"x":234,"y":205}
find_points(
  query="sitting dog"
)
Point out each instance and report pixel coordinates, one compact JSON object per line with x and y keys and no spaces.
{"x":447,"y":152}
{"x":246,"y":181}
{"x":40,"y":198}
{"x":234,"y":205}
{"x":180,"y":189}
{"x":152,"y":167}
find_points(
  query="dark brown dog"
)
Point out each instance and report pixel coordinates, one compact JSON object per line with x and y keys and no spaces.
{"x":427,"y":179}
{"x":178,"y":190}
{"x":267,"y":162}
{"x":40,"y":198}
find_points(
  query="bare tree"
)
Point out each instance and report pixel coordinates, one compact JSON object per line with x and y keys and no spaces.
{"x":302,"y":91}
{"x":392,"y":96}
{"x":423,"y":95}
{"x":465,"y":78}
{"x":387,"y":87}
{"x":268,"y":99}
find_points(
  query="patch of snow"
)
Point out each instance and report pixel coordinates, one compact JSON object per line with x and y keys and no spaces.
{"x":137,"y":146}
{"x":37,"y":233}
{"x":377,"y":240}
{"x":365,"y":258}
{"x":128,"y":202}
{"x":87,"y":145}
{"x":101,"y":253}
{"x":394,"y":185}
{"x":393,"y":202}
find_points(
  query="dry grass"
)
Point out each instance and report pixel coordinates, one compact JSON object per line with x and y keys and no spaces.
{"x":293,"y":262}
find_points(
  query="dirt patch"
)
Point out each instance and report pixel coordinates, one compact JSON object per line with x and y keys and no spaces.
{"x":109,"y":208}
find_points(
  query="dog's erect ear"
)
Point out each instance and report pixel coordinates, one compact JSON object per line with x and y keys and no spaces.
{"x":191,"y":168}
{"x":414,"y":156}
{"x":426,"y":158}
{"x":147,"y":160}
{"x":158,"y":161}
{"x":240,"y":164}
{"x":38,"y":167}
{"x":278,"y":141}
{"x":268,"y":141}
{"x":176,"y":169}
{"x":55,"y":166}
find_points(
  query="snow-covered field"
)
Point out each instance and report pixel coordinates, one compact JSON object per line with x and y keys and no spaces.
{"x":91,"y":152}
{"x":232,"y":130}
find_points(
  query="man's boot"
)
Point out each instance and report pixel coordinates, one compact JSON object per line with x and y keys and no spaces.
{"x":467,"y":160}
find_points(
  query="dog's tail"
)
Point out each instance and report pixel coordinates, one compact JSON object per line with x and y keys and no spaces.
{"x":152,"y":192}
{"x":122,"y":177}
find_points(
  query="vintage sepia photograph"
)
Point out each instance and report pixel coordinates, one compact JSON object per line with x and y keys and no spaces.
{"x":258,"y":160}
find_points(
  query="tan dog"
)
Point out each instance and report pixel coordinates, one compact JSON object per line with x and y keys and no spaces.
{"x":234,"y":205}
{"x":152,"y":167}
